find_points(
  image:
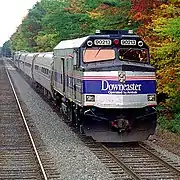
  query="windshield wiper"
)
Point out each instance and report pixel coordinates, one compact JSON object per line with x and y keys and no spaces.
{"x":85,"y":50}
{"x":127,"y":51}
{"x":98,"y":51}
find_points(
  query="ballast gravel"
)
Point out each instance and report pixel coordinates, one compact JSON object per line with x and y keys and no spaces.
{"x":73,"y":159}
{"x":173,"y":157}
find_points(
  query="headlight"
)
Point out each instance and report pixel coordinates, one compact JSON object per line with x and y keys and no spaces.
{"x":140,"y":43}
{"x":89,"y":43}
{"x":90,"y":98}
{"x":151,"y":97}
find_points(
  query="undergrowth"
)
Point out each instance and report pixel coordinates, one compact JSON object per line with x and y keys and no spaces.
{"x":169,"y":122}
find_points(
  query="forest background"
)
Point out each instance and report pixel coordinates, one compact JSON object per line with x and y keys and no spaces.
{"x":156,"y":21}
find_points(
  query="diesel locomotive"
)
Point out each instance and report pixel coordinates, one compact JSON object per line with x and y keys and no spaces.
{"x":103,"y":83}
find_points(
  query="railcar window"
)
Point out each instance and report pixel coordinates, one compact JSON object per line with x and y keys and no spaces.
{"x":27,"y":64}
{"x":95,"y":55}
{"x":45,"y":70}
{"x":36,"y":67}
{"x":139,"y":55}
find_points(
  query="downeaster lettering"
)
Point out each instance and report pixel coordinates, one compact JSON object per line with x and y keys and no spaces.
{"x":106,"y":86}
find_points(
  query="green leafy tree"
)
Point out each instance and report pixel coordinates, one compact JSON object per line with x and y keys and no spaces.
{"x":73,"y":19}
{"x":166,"y":56}
{"x":24,"y":38}
{"x":6,"y":49}
{"x":162,"y":33}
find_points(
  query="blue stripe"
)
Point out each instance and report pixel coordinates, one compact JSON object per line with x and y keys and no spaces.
{"x":70,"y":81}
{"x":114,"y":87}
{"x":109,"y":86}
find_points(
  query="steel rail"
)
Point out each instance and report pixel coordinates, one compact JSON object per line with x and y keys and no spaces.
{"x":27,"y":128}
{"x":120,"y":163}
{"x":166,"y":164}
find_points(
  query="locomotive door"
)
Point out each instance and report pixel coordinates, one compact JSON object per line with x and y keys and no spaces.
{"x":69,"y":72}
{"x":63,"y":75}
{"x":77,"y":96}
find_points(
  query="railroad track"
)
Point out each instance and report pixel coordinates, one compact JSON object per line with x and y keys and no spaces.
{"x":19,"y":156}
{"x":129,"y":161}
{"x":142,"y":162}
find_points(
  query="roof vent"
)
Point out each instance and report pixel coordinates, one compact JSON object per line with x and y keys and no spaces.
{"x":98,"y":31}
{"x":130,"y":32}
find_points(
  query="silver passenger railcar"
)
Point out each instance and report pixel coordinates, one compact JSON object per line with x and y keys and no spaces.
{"x":22,"y":60}
{"x":28,"y":62}
{"x":42,"y":69}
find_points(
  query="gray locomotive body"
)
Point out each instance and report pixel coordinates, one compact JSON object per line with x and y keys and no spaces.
{"x":103,"y":83}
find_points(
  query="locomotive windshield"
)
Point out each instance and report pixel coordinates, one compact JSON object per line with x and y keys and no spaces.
{"x":96,"y":55}
{"x":139,"y":55}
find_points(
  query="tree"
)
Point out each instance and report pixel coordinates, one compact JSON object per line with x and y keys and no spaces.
{"x":51,"y":21}
{"x":6,"y":49}
{"x":24,"y":37}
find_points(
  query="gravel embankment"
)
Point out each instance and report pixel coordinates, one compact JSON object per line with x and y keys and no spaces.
{"x":167,"y":144}
{"x":73,"y":159}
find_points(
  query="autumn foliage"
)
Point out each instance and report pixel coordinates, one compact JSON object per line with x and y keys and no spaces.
{"x":157,"y":21}
{"x":159,"y":24}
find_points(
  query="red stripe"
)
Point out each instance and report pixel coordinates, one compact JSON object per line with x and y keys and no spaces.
{"x":113,"y":77}
{"x":116,"y":77}
{"x":128,"y":78}
{"x":152,"y":105}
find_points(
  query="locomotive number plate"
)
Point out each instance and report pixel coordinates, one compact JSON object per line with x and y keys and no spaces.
{"x":105,"y":42}
{"x":128,"y":42}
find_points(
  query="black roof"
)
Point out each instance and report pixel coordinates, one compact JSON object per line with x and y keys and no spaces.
{"x":115,"y":32}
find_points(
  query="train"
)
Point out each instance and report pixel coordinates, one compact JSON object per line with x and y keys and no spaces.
{"x":103,"y":83}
